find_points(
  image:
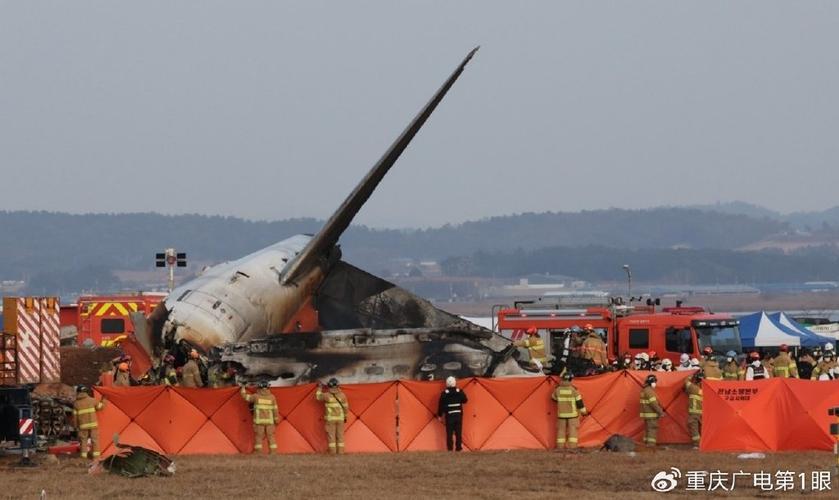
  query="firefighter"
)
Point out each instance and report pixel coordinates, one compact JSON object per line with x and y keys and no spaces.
{"x":711,"y":368}
{"x":826,"y":369}
{"x":450,"y":408}
{"x":707,"y":354}
{"x":650,"y":410}
{"x":168,"y":374}
{"x":594,"y":349}
{"x":693,"y":387}
{"x":569,"y":407}
{"x":336,"y":410}
{"x":756,"y":370}
{"x":84,"y":412}
{"x":784,"y":365}
{"x":666,"y":365}
{"x":535,"y":347}
{"x":732,"y":370}
{"x":191,"y":374}
{"x":266,"y":416}
{"x":122,"y":378}
{"x":626,"y":364}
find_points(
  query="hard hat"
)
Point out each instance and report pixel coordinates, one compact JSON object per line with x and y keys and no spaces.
{"x":193,"y":353}
{"x":651,"y":379}
{"x":575,"y":329}
{"x":589,"y":326}
{"x":684,"y":358}
{"x":81,"y":388}
{"x":783,"y":348}
{"x":667,"y":362}
{"x":754,"y":355}
{"x":123,"y":367}
{"x":532,"y":330}
{"x":263,"y":384}
{"x":828,"y":346}
{"x":708,"y":350}
{"x":568,"y":376}
{"x":333,"y":382}
{"x":731,"y":354}
{"x":653,"y":354}
{"x":450,"y":381}
{"x":694,"y":362}
{"x":645,"y":356}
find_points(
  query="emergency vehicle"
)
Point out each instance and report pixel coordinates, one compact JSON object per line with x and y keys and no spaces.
{"x":670,"y":331}
{"x":106,"y":319}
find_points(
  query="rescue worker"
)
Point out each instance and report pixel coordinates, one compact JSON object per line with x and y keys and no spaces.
{"x":707,"y":353}
{"x":826,"y":369}
{"x":666,"y":365}
{"x":684,"y":363}
{"x":168,"y":374}
{"x":191,"y":373}
{"x":756,"y":370}
{"x":783,"y":365}
{"x":651,"y":411}
{"x":87,"y":425}
{"x":594,"y":349}
{"x":122,"y":378}
{"x":693,"y":387}
{"x":336,"y":410}
{"x":805,"y":365}
{"x":642,"y":361}
{"x":695,"y":364}
{"x":569,"y":407}
{"x":732,"y":370}
{"x":711,"y":368}
{"x":450,"y":408}
{"x":627,"y":362}
{"x":655,"y":361}
{"x":535,"y":347}
{"x":266,"y":416}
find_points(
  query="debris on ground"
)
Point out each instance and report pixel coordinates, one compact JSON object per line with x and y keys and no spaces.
{"x":134,"y":461}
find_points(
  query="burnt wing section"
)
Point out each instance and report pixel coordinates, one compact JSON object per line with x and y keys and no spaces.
{"x":352,"y":298}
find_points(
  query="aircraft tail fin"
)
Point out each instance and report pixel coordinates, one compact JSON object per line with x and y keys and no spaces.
{"x":328,"y":236}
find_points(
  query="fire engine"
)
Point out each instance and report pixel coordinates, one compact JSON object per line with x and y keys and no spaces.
{"x":105,"y":320}
{"x":669,"y":331}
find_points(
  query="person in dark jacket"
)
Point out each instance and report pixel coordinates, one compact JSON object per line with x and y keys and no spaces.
{"x":451,"y":404}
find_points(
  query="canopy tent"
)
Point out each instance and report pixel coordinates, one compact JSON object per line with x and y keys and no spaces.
{"x":809,"y":338}
{"x":759,"y":330}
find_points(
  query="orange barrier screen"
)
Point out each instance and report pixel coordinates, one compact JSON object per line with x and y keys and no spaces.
{"x":768,"y":415}
{"x":510,"y":413}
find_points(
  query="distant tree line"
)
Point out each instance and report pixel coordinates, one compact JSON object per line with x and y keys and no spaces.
{"x":676,"y":266}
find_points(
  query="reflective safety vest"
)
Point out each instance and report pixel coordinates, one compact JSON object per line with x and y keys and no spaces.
{"x":336,"y":406}
{"x":265,"y":410}
{"x":732,"y":371}
{"x":823,"y":368}
{"x":694,"y":397}
{"x":784,"y":366}
{"x":569,"y":402}
{"x":649,"y":403}
{"x":84,"y":409}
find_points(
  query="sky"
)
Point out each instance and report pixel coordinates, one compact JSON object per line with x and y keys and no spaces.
{"x":272,"y":109}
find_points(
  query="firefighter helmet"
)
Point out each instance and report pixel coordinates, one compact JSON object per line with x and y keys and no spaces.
{"x":708,"y":350}
{"x":450,"y":381}
{"x":783,"y":348}
{"x":568,"y":376}
{"x":754,"y":355}
{"x":333,"y":382}
{"x":651,"y":379}
{"x":532,"y":330}
{"x":263,"y":384}
{"x":589,"y":326}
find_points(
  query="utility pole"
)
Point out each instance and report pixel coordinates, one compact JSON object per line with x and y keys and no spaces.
{"x":171,"y":259}
{"x":628,"y":282}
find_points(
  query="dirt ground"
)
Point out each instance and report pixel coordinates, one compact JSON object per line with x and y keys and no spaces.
{"x":514,"y":474}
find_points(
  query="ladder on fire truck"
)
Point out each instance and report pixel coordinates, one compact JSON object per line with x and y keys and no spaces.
{"x":8,"y":359}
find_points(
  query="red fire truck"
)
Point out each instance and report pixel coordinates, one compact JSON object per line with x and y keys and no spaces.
{"x":106,"y":319}
{"x":669,"y":331}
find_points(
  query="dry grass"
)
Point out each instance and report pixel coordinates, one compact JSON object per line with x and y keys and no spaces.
{"x":519,"y":474}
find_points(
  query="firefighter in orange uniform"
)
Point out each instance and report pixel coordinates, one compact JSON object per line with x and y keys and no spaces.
{"x":693,"y":387}
{"x":569,"y":407}
{"x":535,"y":347}
{"x":84,"y":412}
{"x":594,"y":349}
{"x":191,"y":374}
{"x":650,"y":410}
{"x":122,"y":378}
{"x":336,"y":410}
{"x":266,"y":416}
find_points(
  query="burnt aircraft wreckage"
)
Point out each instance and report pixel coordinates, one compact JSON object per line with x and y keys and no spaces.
{"x":294,"y":312}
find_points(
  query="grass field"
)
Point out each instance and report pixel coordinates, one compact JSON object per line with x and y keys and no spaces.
{"x":515,"y":474}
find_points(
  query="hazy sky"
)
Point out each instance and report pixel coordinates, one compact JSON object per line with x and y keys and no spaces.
{"x":275,"y":109}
